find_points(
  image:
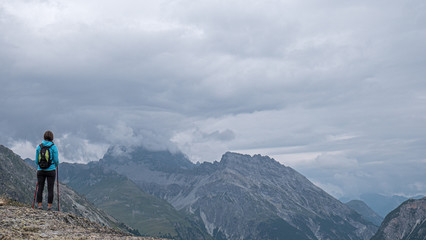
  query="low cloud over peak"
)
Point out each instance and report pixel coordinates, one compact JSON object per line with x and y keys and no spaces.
{"x":302,"y":79}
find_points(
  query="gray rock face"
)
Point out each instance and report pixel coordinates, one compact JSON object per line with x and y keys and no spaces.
{"x":123,"y":199}
{"x":244,"y":197}
{"x":407,"y":222}
{"x":365,"y":211}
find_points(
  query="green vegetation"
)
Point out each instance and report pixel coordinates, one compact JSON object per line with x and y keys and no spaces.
{"x":123,"y":199}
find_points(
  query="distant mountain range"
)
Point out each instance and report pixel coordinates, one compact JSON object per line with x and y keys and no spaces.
{"x":365,"y":211}
{"x":382,"y":204}
{"x":240,"y":197}
{"x":160,"y":193}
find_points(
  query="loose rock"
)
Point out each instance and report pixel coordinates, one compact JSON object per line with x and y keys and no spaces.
{"x":27,"y":223}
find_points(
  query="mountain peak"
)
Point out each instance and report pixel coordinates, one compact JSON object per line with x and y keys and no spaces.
{"x":238,"y":159}
{"x":244,"y":196}
{"x":3,"y":148}
{"x":163,"y":160}
{"x":365,"y":211}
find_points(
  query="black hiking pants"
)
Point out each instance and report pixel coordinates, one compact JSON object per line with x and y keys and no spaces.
{"x":41,"y":179}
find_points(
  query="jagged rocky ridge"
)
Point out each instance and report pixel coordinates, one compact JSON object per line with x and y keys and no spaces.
{"x":18,"y":181}
{"x":241,"y":197}
{"x":407,"y":222}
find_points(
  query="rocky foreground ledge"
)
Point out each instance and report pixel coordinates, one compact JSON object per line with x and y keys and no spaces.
{"x":19,"y":222}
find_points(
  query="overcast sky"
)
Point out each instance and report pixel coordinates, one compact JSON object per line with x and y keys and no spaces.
{"x":335,"y":89}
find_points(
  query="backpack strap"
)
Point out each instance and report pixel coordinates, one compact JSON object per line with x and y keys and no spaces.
{"x":50,"y":153}
{"x":41,"y":145}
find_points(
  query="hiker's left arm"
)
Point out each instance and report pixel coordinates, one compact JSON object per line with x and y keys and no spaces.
{"x":55,"y":156}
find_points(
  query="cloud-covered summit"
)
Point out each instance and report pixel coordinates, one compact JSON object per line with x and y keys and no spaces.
{"x":318,"y":85}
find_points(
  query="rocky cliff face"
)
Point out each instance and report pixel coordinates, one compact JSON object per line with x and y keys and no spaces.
{"x":244,"y":197}
{"x":123,"y":199}
{"x":19,"y":222}
{"x":18,"y":181}
{"x":407,"y":222}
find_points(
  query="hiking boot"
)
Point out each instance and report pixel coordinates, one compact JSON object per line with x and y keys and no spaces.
{"x":39,"y":208}
{"x":49,"y":209}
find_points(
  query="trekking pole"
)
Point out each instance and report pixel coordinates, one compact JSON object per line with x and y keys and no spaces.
{"x":35,"y":194}
{"x":57,"y":183}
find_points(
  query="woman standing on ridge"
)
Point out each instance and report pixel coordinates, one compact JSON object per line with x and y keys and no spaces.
{"x":47,"y":161}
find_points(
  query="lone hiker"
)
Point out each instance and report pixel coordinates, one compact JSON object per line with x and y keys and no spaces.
{"x":47,"y":161}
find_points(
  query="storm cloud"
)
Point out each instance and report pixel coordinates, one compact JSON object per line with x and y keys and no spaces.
{"x":334,"y":89}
